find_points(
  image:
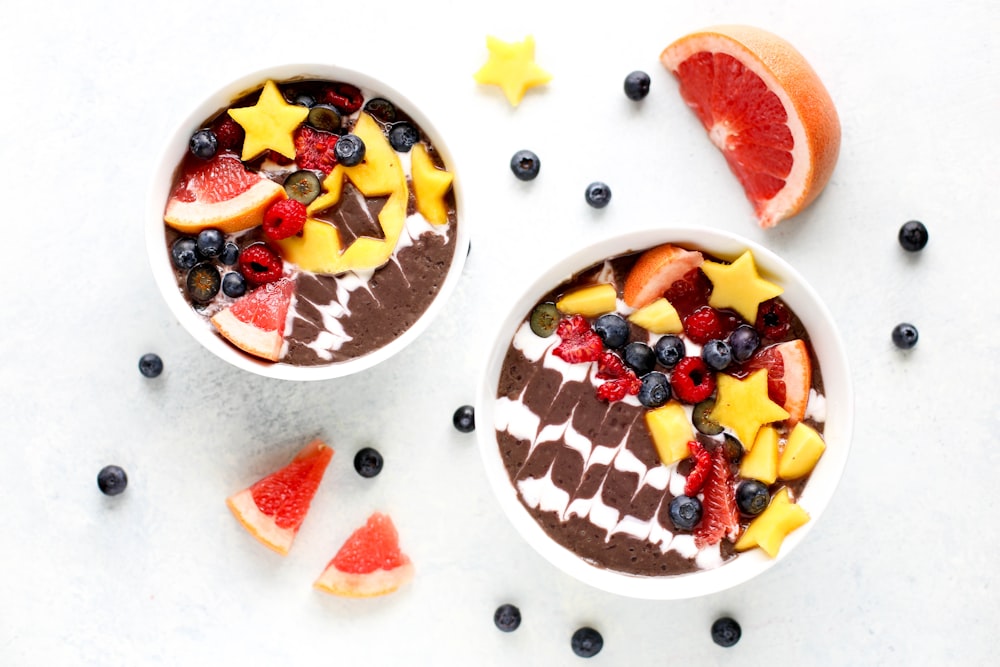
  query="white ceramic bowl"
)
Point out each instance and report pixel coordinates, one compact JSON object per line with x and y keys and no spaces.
{"x":837,"y":430}
{"x":163,"y":272}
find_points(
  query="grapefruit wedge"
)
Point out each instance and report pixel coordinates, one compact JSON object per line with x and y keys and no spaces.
{"x":369,"y":563}
{"x":765,"y":108}
{"x":273,"y":508}
{"x":219,"y":193}
{"x":255,"y":322}
{"x":789,"y":376}
{"x":655,"y":271}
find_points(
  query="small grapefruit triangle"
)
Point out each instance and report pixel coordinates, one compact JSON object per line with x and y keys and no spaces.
{"x":369,"y":563}
{"x":255,"y":322}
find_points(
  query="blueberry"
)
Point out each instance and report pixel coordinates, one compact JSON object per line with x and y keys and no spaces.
{"x":598,"y":194}
{"x":752,"y":497}
{"x":655,"y":390}
{"x":507,"y":617}
{"x":368,"y":462}
{"x":324,"y":117}
{"x":613,"y":329}
{"x":726,"y":632}
{"x":203,"y":282}
{"x":210,"y":242}
{"x":304,"y":100}
{"x":685,"y":512}
{"x":701,"y":419}
{"x":717,"y":354}
{"x":112,"y":480}
{"x":669,"y":350}
{"x":184,"y":253}
{"x":381,"y":109}
{"x":587,"y":642}
{"x":402,"y":136}
{"x":636,"y":85}
{"x":732,"y":448}
{"x":544,"y":319}
{"x":230,"y":254}
{"x":464,"y":419}
{"x":303,"y":186}
{"x":203,"y":144}
{"x":150,"y":365}
{"x":234,"y":285}
{"x":743,"y":342}
{"x":525,"y":165}
{"x":905,"y":336}
{"x":349,"y":150}
{"x":913,"y":236}
{"x":639,"y":357}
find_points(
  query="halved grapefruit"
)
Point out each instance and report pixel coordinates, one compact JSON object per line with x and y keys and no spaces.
{"x":369,"y":563}
{"x":655,"y":271}
{"x":255,"y":322}
{"x":789,"y":375}
{"x":273,"y":508}
{"x":766,"y":110}
{"x":220,"y":193}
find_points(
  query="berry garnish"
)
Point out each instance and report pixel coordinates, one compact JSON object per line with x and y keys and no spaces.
{"x":324,"y":117}
{"x":381,"y":109}
{"x":464,"y":419}
{"x":685,"y":512}
{"x":544,"y":319}
{"x":350,"y":150}
{"x":732,"y":448}
{"x":773,"y":320}
{"x":203,"y":282}
{"x":260,"y":265}
{"x":525,"y":165}
{"x":344,"y":96}
{"x":303,"y":186}
{"x":303,"y":100}
{"x":752,"y":497}
{"x":905,"y":336}
{"x":669,"y":350}
{"x":587,"y":642}
{"x":701,"y":419}
{"x":689,"y":293}
{"x":717,"y":355}
{"x":639,"y":357}
{"x":613,"y":329}
{"x":402,"y":136}
{"x":230,"y":254}
{"x":655,"y":390}
{"x":621,"y":381}
{"x":720,"y":517}
{"x":284,"y":218}
{"x":203,"y":144}
{"x":368,"y":462}
{"x":315,"y":149}
{"x":597,"y":194}
{"x":579,"y":342}
{"x":726,"y":632}
{"x":702,"y":467}
{"x":184,"y":253}
{"x":229,"y":134}
{"x":704,"y":324}
{"x":507,"y":617}
{"x":210,"y":242}
{"x":691,"y":381}
{"x":234,"y":285}
{"x":743,"y":342}
{"x":112,"y":480}
{"x":913,"y":236}
{"x":150,"y":365}
{"x":636,"y":85}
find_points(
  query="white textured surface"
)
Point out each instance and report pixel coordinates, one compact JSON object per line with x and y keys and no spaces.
{"x":901,"y":569}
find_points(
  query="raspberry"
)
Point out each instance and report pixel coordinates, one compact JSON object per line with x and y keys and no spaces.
{"x":702,"y":465}
{"x":579,"y":342}
{"x":691,"y":380}
{"x":689,"y":293}
{"x":773,"y":320}
{"x":314,"y":149}
{"x":283,"y":219}
{"x":229,"y":134}
{"x":344,"y":96}
{"x":720,"y":517}
{"x":621,"y":380}
{"x":260,"y":265}
{"x":278,"y":158}
{"x":704,"y":325}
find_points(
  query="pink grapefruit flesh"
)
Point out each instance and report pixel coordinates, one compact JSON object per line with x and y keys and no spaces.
{"x":255,"y":322}
{"x":369,"y":563}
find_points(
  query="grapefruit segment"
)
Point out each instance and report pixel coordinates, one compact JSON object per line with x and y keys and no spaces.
{"x":273,"y":508}
{"x":765,"y":108}
{"x":369,"y":563}
{"x":255,"y":322}
{"x":655,"y":271}
{"x":789,"y":376}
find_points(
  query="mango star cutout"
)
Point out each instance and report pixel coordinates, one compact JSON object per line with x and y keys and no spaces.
{"x":269,"y":124}
{"x":512,"y":66}
{"x":739,"y":286}
{"x":430,"y":185}
{"x":744,"y":406}
{"x":773,"y":525}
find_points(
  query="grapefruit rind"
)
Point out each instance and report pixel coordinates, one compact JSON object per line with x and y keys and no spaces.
{"x":260,"y":525}
{"x":794,"y":355}
{"x":370,"y":584}
{"x":655,"y":271}
{"x":247,"y":337}
{"x":244,"y":211}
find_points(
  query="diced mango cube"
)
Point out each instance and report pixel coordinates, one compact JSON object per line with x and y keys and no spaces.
{"x":589,"y":301}
{"x":671,"y":431}
{"x":773,"y":525}
{"x":658,"y":317}
{"x":801,"y":452}
{"x":761,"y":461}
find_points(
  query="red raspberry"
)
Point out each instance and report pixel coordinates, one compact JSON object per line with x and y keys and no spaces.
{"x":579,"y":342}
{"x":720,"y":517}
{"x":229,"y":134}
{"x":702,"y":465}
{"x":704,"y":325}
{"x":283,"y":219}
{"x":344,"y":96}
{"x":621,"y":380}
{"x":689,"y":293}
{"x":314,"y":149}
{"x":773,"y":320}
{"x":260,"y":264}
{"x":691,"y":380}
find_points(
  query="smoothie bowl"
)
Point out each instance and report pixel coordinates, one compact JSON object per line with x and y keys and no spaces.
{"x":666,"y":414}
{"x":304,"y":222}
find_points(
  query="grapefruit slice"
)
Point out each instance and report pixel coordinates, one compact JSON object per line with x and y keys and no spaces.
{"x":219,"y":193}
{"x":655,"y":271}
{"x":255,"y":322}
{"x":369,"y":563}
{"x":789,"y":376}
{"x":273,"y":508}
{"x":765,"y":108}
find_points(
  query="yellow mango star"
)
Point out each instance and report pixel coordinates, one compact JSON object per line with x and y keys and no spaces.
{"x":269,"y":123}
{"x":430,"y":185}
{"x":512,"y":66}
{"x":773,"y":525}
{"x":739,"y":286}
{"x":744,"y":406}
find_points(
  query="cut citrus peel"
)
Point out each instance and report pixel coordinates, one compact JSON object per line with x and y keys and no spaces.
{"x":369,"y":563}
{"x":255,"y":323}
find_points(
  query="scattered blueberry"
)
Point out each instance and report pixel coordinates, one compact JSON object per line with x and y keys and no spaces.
{"x":230,"y":254}
{"x":464,"y":419}
{"x":669,"y":350}
{"x":150,"y":365}
{"x":544,"y":319}
{"x":743,"y":342}
{"x":717,"y":354}
{"x":685,"y":512}
{"x":587,"y":642}
{"x":726,"y":632}
{"x":507,"y":617}
{"x":913,"y":236}
{"x":598,"y":194}
{"x":211,"y":242}
{"x":203,"y":144}
{"x":303,"y":186}
{"x":613,"y":329}
{"x":324,"y":117}
{"x":701,"y":419}
{"x":905,"y":336}
{"x":112,"y":480}
{"x":636,"y":85}
{"x":639,"y":357}
{"x":752,"y":497}
{"x":525,"y":165}
{"x":234,"y":285}
{"x":203,"y":282}
{"x":402,"y":136}
{"x":368,"y":462}
{"x":350,"y":150}
{"x":184,"y":253}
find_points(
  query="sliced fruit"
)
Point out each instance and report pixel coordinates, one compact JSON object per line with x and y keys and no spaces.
{"x":589,"y":301}
{"x":369,"y":563}
{"x":512,"y":67}
{"x":767,"y":111}
{"x":720,"y":517}
{"x":789,"y":376}
{"x":761,"y":460}
{"x":773,"y":525}
{"x":273,"y":508}
{"x":658,"y":317}
{"x":739,"y":286}
{"x":655,"y":271}
{"x":269,"y":124}
{"x":430,"y":185}
{"x":743,"y":406}
{"x":801,"y":452}
{"x":671,"y":431}
{"x":219,"y":193}
{"x":255,"y":322}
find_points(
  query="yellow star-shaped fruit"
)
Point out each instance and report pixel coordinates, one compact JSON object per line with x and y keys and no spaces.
{"x":269,"y":124}
{"x":773,"y":525}
{"x":744,"y":406}
{"x":512,"y":67}
{"x":739,"y":286}
{"x":430,"y":185}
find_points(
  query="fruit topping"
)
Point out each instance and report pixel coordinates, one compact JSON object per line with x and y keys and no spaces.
{"x":464,"y":419}
{"x":789,"y":375}
{"x":589,"y":301}
{"x":739,"y":286}
{"x":301,"y":99}
{"x":655,"y":272}
{"x":717,"y":355}
{"x":512,"y":67}
{"x":597,"y":194}
{"x":685,"y":512}
{"x":203,"y":144}
{"x":230,"y":254}
{"x":403,"y":136}
{"x":150,"y":365}
{"x":259,"y":264}
{"x":904,"y":336}
{"x":525,"y":165}
{"x":761,"y":460}
{"x":350,"y":150}
{"x":621,"y":381}
{"x":234,"y":285}
{"x":255,"y":322}
{"x":639,"y":357}
{"x":689,"y":292}
{"x":726,"y":632}
{"x":613,"y":329}
{"x":669,"y":350}
{"x":752,"y":497}
{"x":229,"y":134}
{"x":210,"y":242}
{"x":743,"y":342}
{"x":344,"y":96}
{"x":671,"y":432}
{"x":691,"y":380}
{"x":303,"y":186}
{"x":802,"y":450}
{"x":658,"y":317}
{"x":283,"y":219}
{"x":269,"y":124}
{"x":913,"y":236}
{"x":184,"y":253}
{"x":203,"y":282}
{"x":636,"y":85}
{"x":587,"y":642}
{"x":770,"y":528}
{"x":430,"y":185}
{"x":655,"y":390}
{"x":507,"y":618}
{"x":702,"y":467}
{"x":369,"y":563}
{"x":315,"y":149}
{"x":732,"y":448}
{"x":701,"y":419}
{"x":703,"y":325}
{"x":743,"y":406}
{"x":544,"y":319}
{"x":773,"y":320}
{"x":368,"y":462}
{"x":324,"y":117}
{"x":579,"y":342}
{"x":112,"y":480}
{"x":720,"y":517}
{"x":381,"y":110}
